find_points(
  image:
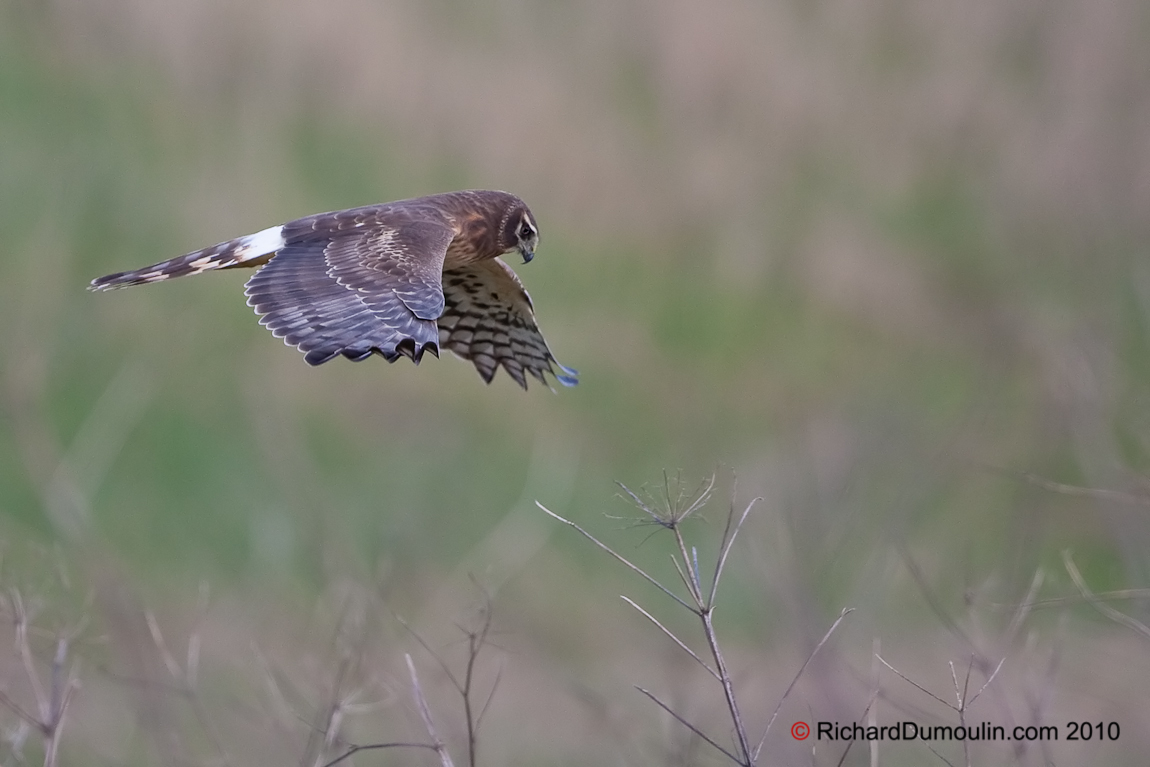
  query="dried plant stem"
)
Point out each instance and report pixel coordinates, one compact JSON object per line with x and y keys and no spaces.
{"x":846,"y":611}
{"x":1098,"y":493}
{"x":184,"y":677}
{"x":1114,"y":615}
{"x":728,"y":687}
{"x":476,"y":641}
{"x":617,"y":556}
{"x":962,"y":702}
{"x":673,"y":638}
{"x":669,"y":513}
{"x":425,"y":714}
{"x":52,"y":704}
{"x":688,"y":725}
{"x":353,"y":750}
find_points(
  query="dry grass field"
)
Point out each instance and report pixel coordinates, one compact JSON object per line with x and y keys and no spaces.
{"x":882,"y":265}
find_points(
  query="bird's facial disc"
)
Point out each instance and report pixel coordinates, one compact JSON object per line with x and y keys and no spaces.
{"x":527,"y":236}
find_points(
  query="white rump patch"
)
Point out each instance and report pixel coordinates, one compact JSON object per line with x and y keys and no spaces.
{"x":261,"y":243}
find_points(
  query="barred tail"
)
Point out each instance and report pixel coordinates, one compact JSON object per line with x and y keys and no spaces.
{"x":252,"y":250}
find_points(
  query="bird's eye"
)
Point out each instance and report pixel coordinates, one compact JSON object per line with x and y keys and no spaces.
{"x":525,"y":231}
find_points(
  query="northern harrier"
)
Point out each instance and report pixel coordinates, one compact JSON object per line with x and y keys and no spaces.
{"x":396,"y":279}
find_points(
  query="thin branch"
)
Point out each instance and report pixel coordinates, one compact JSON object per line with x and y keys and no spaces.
{"x":725,"y":546}
{"x":940,"y":756}
{"x":686,"y":583}
{"x":425,"y":714}
{"x":1086,"y":492}
{"x":185,"y":679}
{"x":1024,"y":608}
{"x":916,"y":684}
{"x":158,"y":638}
{"x":353,"y":750}
{"x":611,"y":551}
{"x":693,"y":587}
{"x":866,"y":711}
{"x":932,"y":602}
{"x":278,"y":701}
{"x":655,"y":517}
{"x":1117,"y":595}
{"x":728,"y":687}
{"x":957,"y":692}
{"x":960,"y":696}
{"x":1107,"y":610}
{"x":435,"y":656}
{"x":986,"y":684}
{"x":826,"y":637}
{"x":475,"y":643}
{"x":322,"y":736}
{"x":674,"y":638}
{"x":55,"y":702}
{"x":689,"y":726}
{"x":20,"y":712}
{"x":26,"y":656}
{"x":57,"y":726}
{"x":490,"y":695}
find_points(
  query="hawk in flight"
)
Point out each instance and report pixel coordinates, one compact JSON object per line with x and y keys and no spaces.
{"x":396,"y":279}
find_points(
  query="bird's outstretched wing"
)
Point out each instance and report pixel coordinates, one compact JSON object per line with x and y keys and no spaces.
{"x":354,"y":283}
{"x":489,"y":319}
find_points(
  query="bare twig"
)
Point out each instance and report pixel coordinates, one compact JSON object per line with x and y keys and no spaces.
{"x":673,"y":638}
{"x":728,"y":541}
{"x":867,"y":714}
{"x":162,"y":647}
{"x":961,"y":693}
{"x":1116,"y":595}
{"x":425,"y":714}
{"x":940,"y":756}
{"x":353,"y":750}
{"x":960,"y":696}
{"x":1024,"y":608}
{"x":18,"y":710}
{"x":435,"y":656}
{"x":931,"y":600}
{"x":490,"y":695}
{"x":701,"y":600}
{"x":622,"y":559}
{"x":185,"y":677}
{"x":689,"y":726}
{"x":25,"y":651}
{"x":914,"y":683}
{"x":52,"y":704}
{"x":1102,"y":494}
{"x":986,"y":684}
{"x":826,"y":637}
{"x":1107,"y":610}
{"x":275,"y":694}
{"x":476,"y":641}
{"x":728,"y":689}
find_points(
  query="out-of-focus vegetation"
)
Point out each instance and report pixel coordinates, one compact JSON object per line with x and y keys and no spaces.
{"x":882,"y":260}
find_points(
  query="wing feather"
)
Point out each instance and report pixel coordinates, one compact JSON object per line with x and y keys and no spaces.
{"x":488,"y":319}
{"x":354,"y":283}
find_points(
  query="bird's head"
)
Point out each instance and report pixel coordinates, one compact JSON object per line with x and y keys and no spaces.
{"x":520,"y":235}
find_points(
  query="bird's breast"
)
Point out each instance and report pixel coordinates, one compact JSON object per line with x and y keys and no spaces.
{"x":473,"y":243}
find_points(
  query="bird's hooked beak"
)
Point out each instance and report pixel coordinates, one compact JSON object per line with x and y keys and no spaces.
{"x":527,"y":253}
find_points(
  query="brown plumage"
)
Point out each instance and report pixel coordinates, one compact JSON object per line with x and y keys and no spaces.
{"x":396,"y":279}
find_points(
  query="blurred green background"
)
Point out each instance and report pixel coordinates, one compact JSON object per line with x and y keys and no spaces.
{"x":879,"y":260}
